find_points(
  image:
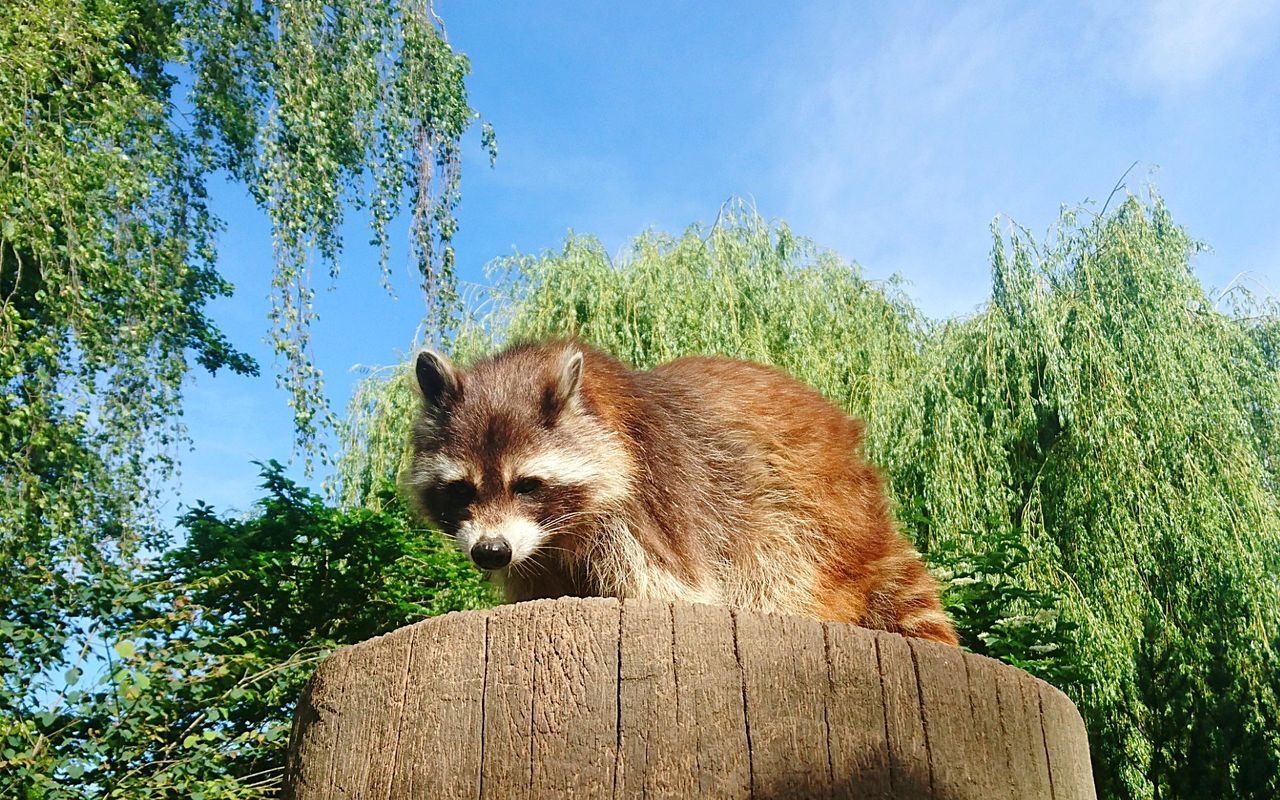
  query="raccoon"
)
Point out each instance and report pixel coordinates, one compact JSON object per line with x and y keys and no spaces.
{"x":564,"y":472}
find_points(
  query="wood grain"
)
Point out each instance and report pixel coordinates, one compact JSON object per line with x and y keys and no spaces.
{"x":596,"y":698}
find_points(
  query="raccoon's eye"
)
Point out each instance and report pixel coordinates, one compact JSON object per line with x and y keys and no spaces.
{"x":459,"y":493}
{"x":526,"y":487}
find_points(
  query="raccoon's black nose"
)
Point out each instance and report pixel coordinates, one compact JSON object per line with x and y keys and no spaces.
{"x":491,"y":553}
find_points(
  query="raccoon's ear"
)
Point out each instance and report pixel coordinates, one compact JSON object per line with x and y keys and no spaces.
{"x":437,"y":379}
{"x":570,"y":378}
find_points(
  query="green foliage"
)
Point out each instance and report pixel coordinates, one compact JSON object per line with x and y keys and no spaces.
{"x":107,"y":258}
{"x":190,"y":685}
{"x":1104,"y":407}
{"x":1089,"y":462}
{"x":105,"y":268}
{"x":313,"y":104}
{"x":986,"y":593}
{"x":307,"y":571}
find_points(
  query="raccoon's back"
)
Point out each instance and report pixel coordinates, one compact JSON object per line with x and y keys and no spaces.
{"x":764,"y":467}
{"x":805,"y":437}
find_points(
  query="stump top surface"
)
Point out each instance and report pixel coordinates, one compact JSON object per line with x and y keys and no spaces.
{"x":605,"y":698}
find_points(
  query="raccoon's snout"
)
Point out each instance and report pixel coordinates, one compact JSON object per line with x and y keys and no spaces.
{"x":494,"y":553}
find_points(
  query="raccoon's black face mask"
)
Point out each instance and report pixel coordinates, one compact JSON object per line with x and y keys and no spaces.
{"x":507,"y":458}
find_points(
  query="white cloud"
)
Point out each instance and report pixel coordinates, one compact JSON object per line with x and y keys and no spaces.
{"x":1183,"y":44}
{"x":874,"y":137}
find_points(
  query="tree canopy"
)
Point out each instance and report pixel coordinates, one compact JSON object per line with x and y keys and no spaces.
{"x":107,"y":256}
{"x":113,"y":115}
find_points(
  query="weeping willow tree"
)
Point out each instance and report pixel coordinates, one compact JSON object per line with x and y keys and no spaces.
{"x":1104,"y":406}
{"x":112,"y":116}
{"x":1101,"y":415}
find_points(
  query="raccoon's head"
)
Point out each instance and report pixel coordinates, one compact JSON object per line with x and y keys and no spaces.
{"x":509,"y":456}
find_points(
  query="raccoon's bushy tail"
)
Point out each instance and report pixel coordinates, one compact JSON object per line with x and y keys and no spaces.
{"x":906,"y":602}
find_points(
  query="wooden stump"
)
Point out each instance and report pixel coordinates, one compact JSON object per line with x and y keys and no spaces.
{"x":597,"y":698}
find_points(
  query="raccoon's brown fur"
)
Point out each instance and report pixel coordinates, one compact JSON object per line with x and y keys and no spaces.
{"x":704,"y":479}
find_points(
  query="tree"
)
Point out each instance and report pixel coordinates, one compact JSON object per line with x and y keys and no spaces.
{"x":112,"y":115}
{"x":209,"y":649}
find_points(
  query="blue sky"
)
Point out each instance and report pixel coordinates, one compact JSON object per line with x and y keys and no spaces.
{"x":890,"y":132}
